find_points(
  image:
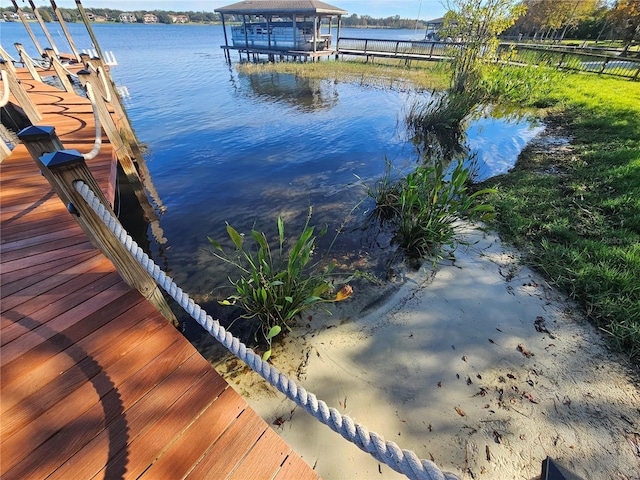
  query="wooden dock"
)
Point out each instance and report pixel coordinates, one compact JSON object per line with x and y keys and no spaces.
{"x":95,"y":382}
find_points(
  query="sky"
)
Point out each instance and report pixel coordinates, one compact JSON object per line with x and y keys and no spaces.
{"x":422,"y":9}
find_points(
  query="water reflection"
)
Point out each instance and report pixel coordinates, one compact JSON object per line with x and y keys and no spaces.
{"x":305,"y":94}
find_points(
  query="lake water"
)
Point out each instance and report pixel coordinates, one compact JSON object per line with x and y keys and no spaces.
{"x":246,"y":149}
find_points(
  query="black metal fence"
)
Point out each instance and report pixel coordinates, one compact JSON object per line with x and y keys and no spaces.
{"x":585,"y":60}
{"x":571,"y":58}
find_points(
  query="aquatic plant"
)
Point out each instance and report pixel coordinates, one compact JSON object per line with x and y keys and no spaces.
{"x":276,"y":285}
{"x":422,"y":208}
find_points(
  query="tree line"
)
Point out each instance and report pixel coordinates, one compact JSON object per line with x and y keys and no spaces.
{"x":111,"y":15}
{"x":556,"y":20}
{"x":546,"y":20}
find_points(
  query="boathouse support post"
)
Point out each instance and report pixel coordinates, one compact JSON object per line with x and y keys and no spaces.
{"x":60,"y":72}
{"x":62,"y":168}
{"x":316,"y":33}
{"x":26,"y":60}
{"x":44,"y":28}
{"x":21,"y":95}
{"x":63,"y":24}
{"x":246,"y":36}
{"x":27,"y":27}
{"x":226,"y":39}
{"x":295,"y":32}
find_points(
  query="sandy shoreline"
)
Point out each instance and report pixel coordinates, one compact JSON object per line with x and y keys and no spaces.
{"x":482,"y":367}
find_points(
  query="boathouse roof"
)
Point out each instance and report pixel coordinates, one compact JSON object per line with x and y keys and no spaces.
{"x":261,"y":7}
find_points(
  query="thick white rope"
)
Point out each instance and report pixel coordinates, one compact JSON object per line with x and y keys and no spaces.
{"x":402,"y":461}
{"x":103,"y":79}
{"x":5,"y":89}
{"x":106,"y":89}
{"x":69,"y":72}
{"x":98,"y":141}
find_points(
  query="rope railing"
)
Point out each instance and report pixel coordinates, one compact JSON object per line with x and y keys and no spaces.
{"x":100,"y":73}
{"x":98,"y":141}
{"x":402,"y":461}
{"x":5,"y":89}
{"x":69,"y":72}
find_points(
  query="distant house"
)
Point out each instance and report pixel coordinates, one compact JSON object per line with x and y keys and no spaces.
{"x":179,"y":18}
{"x":150,"y":18}
{"x":127,"y":17}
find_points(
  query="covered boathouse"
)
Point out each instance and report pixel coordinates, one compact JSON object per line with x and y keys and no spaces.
{"x":297,"y":28}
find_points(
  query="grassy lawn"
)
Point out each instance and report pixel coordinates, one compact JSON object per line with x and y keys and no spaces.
{"x":575,"y":212}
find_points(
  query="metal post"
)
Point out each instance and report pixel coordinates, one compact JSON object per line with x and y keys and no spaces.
{"x":246,"y":36}
{"x":226,"y":40}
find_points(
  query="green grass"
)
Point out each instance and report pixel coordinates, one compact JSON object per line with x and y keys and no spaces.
{"x":576,"y":211}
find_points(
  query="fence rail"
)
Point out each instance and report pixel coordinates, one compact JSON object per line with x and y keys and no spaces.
{"x":584,"y":60}
{"x":423,"y":50}
{"x":571,"y":58}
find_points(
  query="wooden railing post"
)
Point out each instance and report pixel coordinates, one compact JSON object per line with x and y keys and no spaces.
{"x":62,"y":168}
{"x":21,"y":95}
{"x":123,"y":125}
{"x":125,"y":156}
{"x":5,"y":56}
{"x":26,"y":60}
{"x":63,"y":24}
{"x":60,"y":72}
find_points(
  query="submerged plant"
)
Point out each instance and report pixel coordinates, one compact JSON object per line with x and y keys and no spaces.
{"x":276,"y":285}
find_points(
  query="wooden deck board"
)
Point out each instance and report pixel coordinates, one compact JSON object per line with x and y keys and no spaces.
{"x":95,"y":382}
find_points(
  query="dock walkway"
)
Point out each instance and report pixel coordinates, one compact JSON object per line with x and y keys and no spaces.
{"x":95,"y":382}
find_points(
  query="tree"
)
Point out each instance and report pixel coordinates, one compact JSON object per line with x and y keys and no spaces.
{"x":547,"y":17}
{"x":626,"y":17}
{"x":476,"y":24}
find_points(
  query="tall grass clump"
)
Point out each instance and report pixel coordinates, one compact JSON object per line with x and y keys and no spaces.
{"x":422,"y":208}
{"x":275,"y":285}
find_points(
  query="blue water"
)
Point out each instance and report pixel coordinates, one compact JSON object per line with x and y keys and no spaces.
{"x":246,"y":149}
